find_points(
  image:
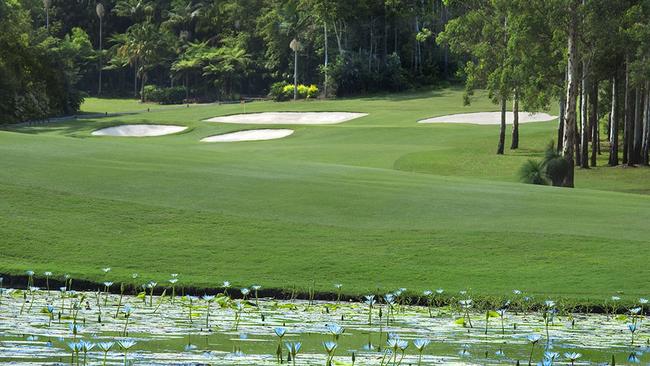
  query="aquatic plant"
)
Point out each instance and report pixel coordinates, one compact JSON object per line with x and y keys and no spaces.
{"x":119,"y":300}
{"x":86,"y":347}
{"x":572,"y":357}
{"x":173,"y":282}
{"x":330,"y":348}
{"x":370,"y":301}
{"x":107,"y":289}
{"x":280,"y":332}
{"x":338,"y":288}
{"x":548,"y":314}
{"x":428,"y":294}
{"x":466,"y":305}
{"x":256,"y":288}
{"x":633,"y":327}
{"x":30,"y":278}
{"x":336,"y":331}
{"x":32,"y":293}
{"x":294,"y":348}
{"x":50,"y":314}
{"x":239,"y":309}
{"x":47,"y":275}
{"x":420,"y":345}
{"x":208,"y":299}
{"x":127,"y":310}
{"x":226,"y":286}
{"x":105,"y":347}
{"x":151,"y":285}
{"x":533,"y":339}
{"x":502,"y":315}
{"x":245,"y":292}
{"x":389,"y":299}
{"x":190,"y":306}
{"x":126,"y":345}
{"x":75,"y":348}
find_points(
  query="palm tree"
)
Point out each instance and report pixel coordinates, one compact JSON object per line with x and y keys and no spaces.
{"x":295,"y":46}
{"x":46,"y":5}
{"x":183,"y":13}
{"x":227,"y":65}
{"x":100,"y":13}
{"x":133,"y":9}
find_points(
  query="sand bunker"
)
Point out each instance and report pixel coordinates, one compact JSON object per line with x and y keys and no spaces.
{"x":489,"y":118}
{"x":139,"y":130}
{"x":250,"y":135}
{"x":289,"y":118}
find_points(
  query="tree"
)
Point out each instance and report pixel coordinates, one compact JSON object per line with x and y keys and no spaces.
{"x":572,"y":90}
{"x":100,"y":14}
{"x":295,"y":47}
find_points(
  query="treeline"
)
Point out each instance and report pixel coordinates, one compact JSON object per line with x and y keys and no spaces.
{"x":207,"y":50}
{"x":38,"y":72}
{"x":590,"y":56}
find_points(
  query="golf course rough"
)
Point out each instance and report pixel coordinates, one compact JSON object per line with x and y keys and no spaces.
{"x":489,"y":118}
{"x":250,"y":135}
{"x":143,"y":130}
{"x":289,"y":118}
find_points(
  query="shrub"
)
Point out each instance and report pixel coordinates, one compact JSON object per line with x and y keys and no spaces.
{"x":554,"y":168}
{"x":277,"y":91}
{"x":173,"y":95}
{"x":312,"y":91}
{"x":282,"y":91}
{"x":533,"y":172}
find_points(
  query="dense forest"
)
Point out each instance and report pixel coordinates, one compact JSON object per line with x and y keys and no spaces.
{"x":588,"y":56}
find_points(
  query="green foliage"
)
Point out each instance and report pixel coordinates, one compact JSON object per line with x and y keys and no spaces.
{"x":555,"y":165}
{"x":172,"y":95}
{"x":533,"y":172}
{"x":351,"y":75}
{"x":282,"y":91}
{"x":38,"y":73}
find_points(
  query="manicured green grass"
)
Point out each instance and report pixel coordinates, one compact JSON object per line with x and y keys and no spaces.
{"x":378,"y":202}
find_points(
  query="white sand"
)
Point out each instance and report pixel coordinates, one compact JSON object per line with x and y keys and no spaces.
{"x":250,"y":135}
{"x":489,"y":118}
{"x":139,"y":130}
{"x":289,"y":118}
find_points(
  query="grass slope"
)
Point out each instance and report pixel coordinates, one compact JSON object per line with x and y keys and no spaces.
{"x":379,"y":202}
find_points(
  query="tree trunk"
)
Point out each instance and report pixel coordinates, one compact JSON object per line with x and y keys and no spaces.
{"x":560,"y":126}
{"x":584,"y":121}
{"x":646,"y":127}
{"x":326,"y":60}
{"x":135,"y":79}
{"x":295,"y":75}
{"x":627,"y":132}
{"x":502,"y":132}
{"x":638,"y":126}
{"x":99,"y":85}
{"x":576,"y":141}
{"x":515,"y":123}
{"x":595,"y":137}
{"x":613,"y":127}
{"x":571,"y":96}
{"x":143,"y":81}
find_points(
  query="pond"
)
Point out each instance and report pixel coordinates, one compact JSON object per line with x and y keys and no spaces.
{"x":221,"y":331}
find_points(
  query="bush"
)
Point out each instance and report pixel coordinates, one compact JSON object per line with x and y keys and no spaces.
{"x":282,"y":91}
{"x":312,"y":91}
{"x":533,"y":172}
{"x":277,"y":91}
{"x":173,"y":95}
{"x":554,"y":168}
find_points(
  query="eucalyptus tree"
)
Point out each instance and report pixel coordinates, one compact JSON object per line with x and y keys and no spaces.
{"x":482,"y":34}
{"x":573,"y":34}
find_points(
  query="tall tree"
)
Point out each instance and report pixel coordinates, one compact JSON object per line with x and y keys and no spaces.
{"x":572,"y":89}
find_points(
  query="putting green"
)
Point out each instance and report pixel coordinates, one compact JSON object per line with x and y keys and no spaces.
{"x":379,"y":202}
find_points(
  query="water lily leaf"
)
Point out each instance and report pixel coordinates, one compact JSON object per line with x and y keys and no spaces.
{"x":493,"y":314}
{"x":460,"y":321}
{"x":622,"y":318}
